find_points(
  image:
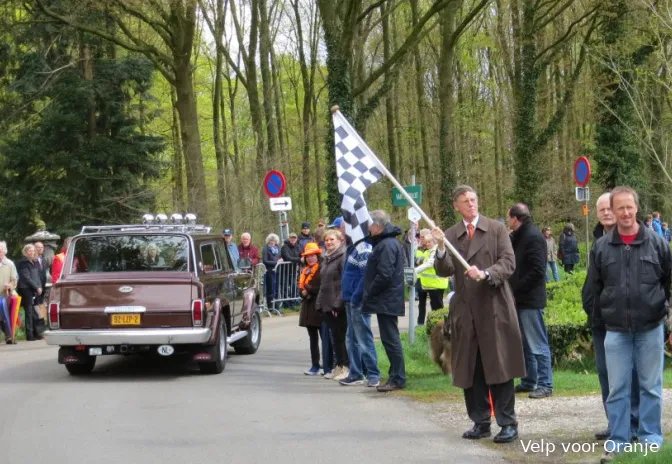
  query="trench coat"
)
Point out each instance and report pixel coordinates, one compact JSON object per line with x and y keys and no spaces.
{"x":483,"y":314}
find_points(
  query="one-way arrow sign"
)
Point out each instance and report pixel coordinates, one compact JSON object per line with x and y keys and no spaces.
{"x":281,"y":203}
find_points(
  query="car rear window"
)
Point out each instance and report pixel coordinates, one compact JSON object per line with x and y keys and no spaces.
{"x":131,"y":253}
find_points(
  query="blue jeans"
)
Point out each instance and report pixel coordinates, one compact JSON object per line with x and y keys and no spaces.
{"x":359,"y":342}
{"x":553,"y":268}
{"x":327,"y":348}
{"x":536,"y":349}
{"x":645,"y":352}
{"x":601,"y":365}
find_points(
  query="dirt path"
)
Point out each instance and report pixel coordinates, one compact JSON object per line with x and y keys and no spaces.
{"x":548,"y":424}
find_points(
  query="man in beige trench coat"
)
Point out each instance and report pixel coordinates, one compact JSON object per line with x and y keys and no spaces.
{"x":487,"y":348}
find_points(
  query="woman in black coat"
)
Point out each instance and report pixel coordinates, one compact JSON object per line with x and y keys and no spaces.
{"x":569,"y":249}
{"x":309,"y":317}
{"x":29,"y":287}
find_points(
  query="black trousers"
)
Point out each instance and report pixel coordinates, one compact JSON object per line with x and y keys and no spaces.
{"x":314,"y":335}
{"x":389,"y":336}
{"x":339,"y":326}
{"x":30,"y":316}
{"x":435,"y":302}
{"x":478,"y":402}
{"x":569,"y":268}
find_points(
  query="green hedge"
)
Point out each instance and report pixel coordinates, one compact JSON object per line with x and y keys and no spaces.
{"x":568,"y":332}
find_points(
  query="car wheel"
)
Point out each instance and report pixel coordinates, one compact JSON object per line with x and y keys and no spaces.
{"x":219,"y":354}
{"x":250,"y":344}
{"x":82,"y":369}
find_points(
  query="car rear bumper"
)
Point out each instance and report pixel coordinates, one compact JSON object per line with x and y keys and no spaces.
{"x":175,"y":336}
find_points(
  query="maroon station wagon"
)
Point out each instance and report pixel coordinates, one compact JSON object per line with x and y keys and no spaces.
{"x":152,"y":288}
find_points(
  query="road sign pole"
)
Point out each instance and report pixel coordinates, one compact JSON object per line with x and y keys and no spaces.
{"x":411,"y":293}
{"x":283,"y":226}
{"x":587,"y":237}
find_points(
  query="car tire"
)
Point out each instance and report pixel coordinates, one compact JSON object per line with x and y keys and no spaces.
{"x":250,"y":344}
{"x":219,"y":353}
{"x":82,"y":369}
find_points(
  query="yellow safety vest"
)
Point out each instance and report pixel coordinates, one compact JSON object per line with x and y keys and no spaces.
{"x":428,"y":278}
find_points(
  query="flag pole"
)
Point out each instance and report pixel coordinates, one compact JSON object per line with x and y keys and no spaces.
{"x":403,"y":191}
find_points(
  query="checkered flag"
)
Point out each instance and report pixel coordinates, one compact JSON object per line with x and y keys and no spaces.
{"x":357,"y":168}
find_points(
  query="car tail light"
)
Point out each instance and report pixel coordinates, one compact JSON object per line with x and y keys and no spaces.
{"x":54,"y":314}
{"x":197,"y":312}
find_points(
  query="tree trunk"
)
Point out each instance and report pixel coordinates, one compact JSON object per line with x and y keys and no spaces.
{"x":267,"y":82}
{"x":220,"y":153}
{"x":389,"y":99}
{"x":87,"y":64}
{"x":527,"y":164}
{"x":191,"y":140}
{"x":339,"y":86}
{"x":178,"y":164}
{"x":422,"y":104}
{"x":446,"y":135}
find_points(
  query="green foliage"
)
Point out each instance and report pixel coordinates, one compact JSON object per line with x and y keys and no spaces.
{"x":83,"y":158}
{"x":566,"y":322}
{"x":434,"y":317}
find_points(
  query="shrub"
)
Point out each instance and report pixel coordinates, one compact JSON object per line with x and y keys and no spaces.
{"x":434,"y":317}
{"x":566,"y":322}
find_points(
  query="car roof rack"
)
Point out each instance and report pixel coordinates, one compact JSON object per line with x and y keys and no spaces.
{"x":192,"y":229}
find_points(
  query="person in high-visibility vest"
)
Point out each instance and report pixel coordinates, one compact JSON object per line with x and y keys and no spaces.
{"x":432,"y":285}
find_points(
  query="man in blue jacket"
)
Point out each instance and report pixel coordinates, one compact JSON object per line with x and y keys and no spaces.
{"x":384,"y":293}
{"x":359,"y":337}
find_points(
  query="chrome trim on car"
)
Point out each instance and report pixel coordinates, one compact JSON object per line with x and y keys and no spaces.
{"x":124,"y":309}
{"x":165,"y":336}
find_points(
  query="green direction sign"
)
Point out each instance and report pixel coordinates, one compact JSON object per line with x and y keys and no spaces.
{"x":415,"y":192}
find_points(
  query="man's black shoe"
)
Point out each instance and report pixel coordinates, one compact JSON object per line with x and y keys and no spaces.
{"x":521,"y":389}
{"x":388,"y":387}
{"x":602,"y":434}
{"x":477,"y":431}
{"x":507,"y":434}
{"x":541,"y":392}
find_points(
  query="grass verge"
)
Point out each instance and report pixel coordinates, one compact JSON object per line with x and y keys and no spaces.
{"x":426,"y":382}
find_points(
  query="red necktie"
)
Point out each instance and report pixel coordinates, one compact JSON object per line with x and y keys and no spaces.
{"x":470,"y":230}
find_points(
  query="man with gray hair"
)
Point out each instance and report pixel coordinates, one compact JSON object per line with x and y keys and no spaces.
{"x":8,"y":279}
{"x":487,"y":349}
{"x":384,"y":293}
{"x":246,"y":250}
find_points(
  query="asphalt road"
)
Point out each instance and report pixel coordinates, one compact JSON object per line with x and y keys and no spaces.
{"x":261,"y":409}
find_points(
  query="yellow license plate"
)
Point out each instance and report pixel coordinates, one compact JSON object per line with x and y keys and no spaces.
{"x":125,"y":319}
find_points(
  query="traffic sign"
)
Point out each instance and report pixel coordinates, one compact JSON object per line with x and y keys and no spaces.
{"x":281,"y":203}
{"x":582,"y":193}
{"x":414,"y":191}
{"x":413,"y":215}
{"x":582,"y":171}
{"x":274,"y":184}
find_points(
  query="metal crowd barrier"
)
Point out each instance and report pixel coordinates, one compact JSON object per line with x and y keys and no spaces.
{"x":287,"y":284}
{"x":259,"y":274}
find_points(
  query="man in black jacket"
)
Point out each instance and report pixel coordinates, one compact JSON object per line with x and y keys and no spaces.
{"x":606,"y":223}
{"x":630,"y":274}
{"x":384,"y":293}
{"x":528,"y":284}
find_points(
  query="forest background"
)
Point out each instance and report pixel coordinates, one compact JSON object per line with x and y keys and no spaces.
{"x":113,"y":108}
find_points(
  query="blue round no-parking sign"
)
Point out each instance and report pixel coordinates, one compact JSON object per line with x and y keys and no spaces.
{"x":275,"y":184}
{"x":582,"y":171}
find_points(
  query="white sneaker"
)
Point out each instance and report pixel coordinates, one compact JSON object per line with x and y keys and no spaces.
{"x":345,"y":372}
{"x":338,"y":370}
{"x":329,"y":375}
